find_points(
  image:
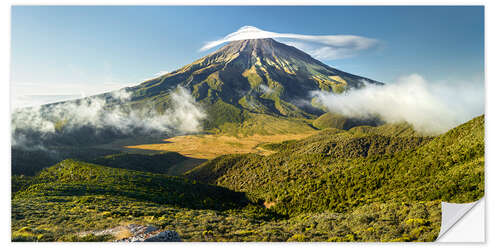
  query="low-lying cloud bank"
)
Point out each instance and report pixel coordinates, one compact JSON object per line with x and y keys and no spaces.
{"x":95,"y":117}
{"x":327,"y":47}
{"x":430,"y":107}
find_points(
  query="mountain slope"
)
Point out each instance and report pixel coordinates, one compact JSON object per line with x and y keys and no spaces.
{"x":258,"y":76}
{"x":331,"y":120}
{"x":75,"y":178}
{"x":339,"y":170}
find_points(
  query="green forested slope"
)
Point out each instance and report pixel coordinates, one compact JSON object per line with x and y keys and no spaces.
{"x":338,"y":170}
{"x":331,"y":120}
{"x":75,"y":178}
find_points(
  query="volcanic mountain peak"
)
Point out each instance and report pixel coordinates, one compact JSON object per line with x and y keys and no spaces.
{"x":263,"y":47}
{"x":257,"y":76}
{"x":250,"y":63}
{"x":264,"y":52}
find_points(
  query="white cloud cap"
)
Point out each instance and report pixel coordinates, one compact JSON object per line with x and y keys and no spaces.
{"x":320,"y":47}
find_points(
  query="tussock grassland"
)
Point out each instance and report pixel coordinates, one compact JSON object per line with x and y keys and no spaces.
{"x":211,"y":146}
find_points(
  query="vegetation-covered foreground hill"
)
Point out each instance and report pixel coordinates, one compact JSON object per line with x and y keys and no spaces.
{"x":339,"y":170}
{"x":74,"y":197}
{"x":355,"y":185}
{"x":71,"y":177}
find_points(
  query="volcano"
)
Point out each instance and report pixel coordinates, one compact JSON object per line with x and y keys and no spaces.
{"x":259,"y":76}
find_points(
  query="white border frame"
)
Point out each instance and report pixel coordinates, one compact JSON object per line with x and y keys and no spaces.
{"x":492,"y":42}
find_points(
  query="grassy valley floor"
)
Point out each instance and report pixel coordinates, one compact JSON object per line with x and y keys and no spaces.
{"x":210,"y":146}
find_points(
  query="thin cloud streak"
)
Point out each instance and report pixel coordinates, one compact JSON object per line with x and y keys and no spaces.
{"x":321,"y":47}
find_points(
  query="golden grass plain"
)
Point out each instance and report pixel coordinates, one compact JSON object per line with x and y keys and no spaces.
{"x":209,"y":146}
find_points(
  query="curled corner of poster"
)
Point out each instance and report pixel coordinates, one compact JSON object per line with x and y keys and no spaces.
{"x":462,"y":222}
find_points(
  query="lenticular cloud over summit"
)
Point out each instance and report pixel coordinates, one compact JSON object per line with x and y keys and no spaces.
{"x":320,"y":47}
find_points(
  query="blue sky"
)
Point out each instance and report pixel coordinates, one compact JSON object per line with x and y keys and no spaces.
{"x":74,"y":50}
